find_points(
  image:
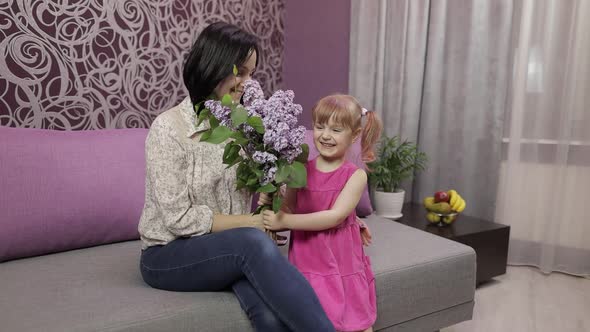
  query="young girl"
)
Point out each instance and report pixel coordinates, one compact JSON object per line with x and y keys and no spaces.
{"x":326,"y":243}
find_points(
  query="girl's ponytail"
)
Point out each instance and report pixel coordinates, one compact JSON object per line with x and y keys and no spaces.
{"x":371,"y":133}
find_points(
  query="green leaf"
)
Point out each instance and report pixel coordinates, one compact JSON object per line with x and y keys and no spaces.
{"x":226,"y":151}
{"x":219,"y":135}
{"x":213,"y":122}
{"x":235,"y":70}
{"x":277,"y":201}
{"x":239,"y":138}
{"x":267,"y":188}
{"x":235,"y":161}
{"x":252,"y":181}
{"x":304,"y":155}
{"x":205,"y":135}
{"x":230,"y":153}
{"x":283,"y":173}
{"x":298,"y":175}
{"x":240,"y":184}
{"x":397,"y":161}
{"x":239,"y":115}
{"x":226,"y":100}
{"x":256,"y":123}
{"x":205,"y":113}
{"x":259,"y":173}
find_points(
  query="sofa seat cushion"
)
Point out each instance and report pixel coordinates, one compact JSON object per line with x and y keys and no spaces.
{"x":418,"y":273}
{"x":100,"y":288}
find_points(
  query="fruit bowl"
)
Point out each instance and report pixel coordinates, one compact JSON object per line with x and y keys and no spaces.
{"x":441,"y":219}
{"x":443,"y":208}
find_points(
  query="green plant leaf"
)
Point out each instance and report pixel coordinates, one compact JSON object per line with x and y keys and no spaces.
{"x":396,"y":162}
{"x":205,"y":113}
{"x":226,"y":100}
{"x":259,"y":173}
{"x":219,"y":135}
{"x":239,"y":138}
{"x":252,"y":181}
{"x":235,"y":161}
{"x":235,"y":70}
{"x":239,"y":115}
{"x":283,"y":172}
{"x":298,"y":176}
{"x":256,"y":123}
{"x":277,"y":201}
{"x":230,"y":153}
{"x":267,"y":188}
{"x":213,"y":122}
{"x":205,"y":135}
{"x":304,"y":155}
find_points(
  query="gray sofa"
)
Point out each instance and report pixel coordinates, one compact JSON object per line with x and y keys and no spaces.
{"x":424,"y":283}
{"x":69,"y":201}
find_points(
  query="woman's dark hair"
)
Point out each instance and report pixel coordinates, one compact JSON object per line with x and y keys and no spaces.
{"x":218,"y":48}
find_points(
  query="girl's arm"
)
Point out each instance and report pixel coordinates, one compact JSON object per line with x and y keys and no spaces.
{"x":317,"y":221}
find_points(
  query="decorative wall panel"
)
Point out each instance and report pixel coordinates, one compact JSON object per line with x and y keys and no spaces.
{"x":91,"y":64}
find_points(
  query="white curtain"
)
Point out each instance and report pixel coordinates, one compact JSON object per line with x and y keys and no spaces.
{"x":436,"y":72}
{"x":544,"y":192}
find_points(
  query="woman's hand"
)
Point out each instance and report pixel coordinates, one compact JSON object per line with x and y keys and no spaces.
{"x":365,"y":232}
{"x":257,"y":222}
{"x":273,"y":221}
{"x":264,"y":199}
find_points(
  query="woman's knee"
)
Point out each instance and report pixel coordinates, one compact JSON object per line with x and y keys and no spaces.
{"x":257,"y":241}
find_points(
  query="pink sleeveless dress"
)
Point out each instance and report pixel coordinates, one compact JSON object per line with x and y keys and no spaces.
{"x":333,"y":260}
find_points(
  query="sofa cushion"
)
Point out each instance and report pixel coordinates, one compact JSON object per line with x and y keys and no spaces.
{"x":69,"y":189}
{"x":417,"y":275}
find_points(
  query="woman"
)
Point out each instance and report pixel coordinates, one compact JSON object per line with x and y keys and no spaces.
{"x":196,"y":232}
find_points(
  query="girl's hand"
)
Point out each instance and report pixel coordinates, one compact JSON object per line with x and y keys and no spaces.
{"x":365,"y":232}
{"x":264,"y":199}
{"x":273,"y":221}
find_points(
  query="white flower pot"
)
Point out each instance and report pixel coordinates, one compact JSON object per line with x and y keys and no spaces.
{"x":389,"y":205}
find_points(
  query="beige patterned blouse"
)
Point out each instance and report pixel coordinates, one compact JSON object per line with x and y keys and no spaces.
{"x":186,"y":181}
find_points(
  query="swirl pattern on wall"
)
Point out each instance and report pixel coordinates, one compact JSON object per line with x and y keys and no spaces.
{"x":95,"y":64}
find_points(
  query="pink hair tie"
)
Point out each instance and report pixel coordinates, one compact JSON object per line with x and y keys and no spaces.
{"x":364,"y":111}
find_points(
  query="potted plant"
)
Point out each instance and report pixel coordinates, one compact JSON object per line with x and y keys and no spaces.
{"x":396,"y":161}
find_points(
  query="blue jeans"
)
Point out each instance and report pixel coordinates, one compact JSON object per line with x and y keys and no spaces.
{"x":274,"y":295}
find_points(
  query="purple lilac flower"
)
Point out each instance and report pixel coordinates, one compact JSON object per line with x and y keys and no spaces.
{"x":269,"y":174}
{"x":252,"y":92}
{"x":250,"y":148}
{"x":262,"y":157}
{"x":256,"y":108}
{"x":221,"y":113}
{"x":280,"y":122}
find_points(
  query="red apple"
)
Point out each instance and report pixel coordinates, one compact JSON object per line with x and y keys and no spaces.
{"x":441,"y":196}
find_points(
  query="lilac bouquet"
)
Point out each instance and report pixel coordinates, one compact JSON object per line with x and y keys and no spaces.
{"x":267,"y":142}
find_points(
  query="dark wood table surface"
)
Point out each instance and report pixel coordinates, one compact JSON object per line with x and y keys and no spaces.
{"x":488,"y":239}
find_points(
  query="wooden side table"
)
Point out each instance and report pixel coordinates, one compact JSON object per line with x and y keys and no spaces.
{"x":488,"y":239}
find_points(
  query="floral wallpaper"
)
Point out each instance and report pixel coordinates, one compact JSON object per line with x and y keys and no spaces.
{"x":94,"y":64}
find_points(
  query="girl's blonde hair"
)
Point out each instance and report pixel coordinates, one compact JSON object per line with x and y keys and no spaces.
{"x":346,"y":111}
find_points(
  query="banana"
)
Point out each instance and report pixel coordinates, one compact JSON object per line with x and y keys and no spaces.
{"x":458,"y":199}
{"x":462,"y":206}
{"x":453,"y":195}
